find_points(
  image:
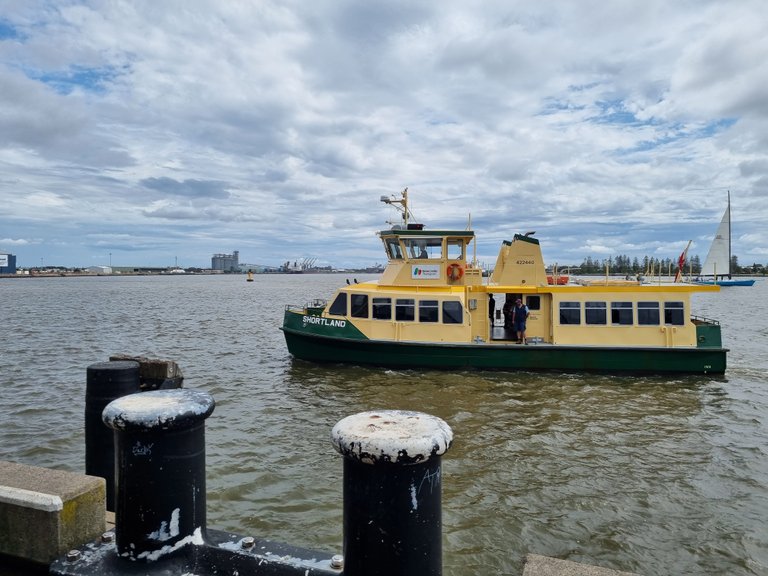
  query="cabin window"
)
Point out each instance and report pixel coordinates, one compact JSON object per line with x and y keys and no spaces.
{"x":595,"y":313}
{"x":648,"y":314}
{"x":674,"y":313}
{"x":428,"y":310}
{"x":621,"y":313}
{"x":359,"y":305}
{"x":423,"y":248}
{"x":339,"y":306}
{"x":570,"y":313}
{"x":393,"y":249}
{"x":455,"y":249}
{"x":533,"y":302}
{"x":382,"y":309}
{"x":452,"y":312}
{"x":404,"y":309}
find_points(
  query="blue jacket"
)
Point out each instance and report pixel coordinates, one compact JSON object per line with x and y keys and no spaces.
{"x":520,"y":313}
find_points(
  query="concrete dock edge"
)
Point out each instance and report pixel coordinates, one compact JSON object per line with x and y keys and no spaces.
{"x":44,"y":513}
{"x":536,"y":565}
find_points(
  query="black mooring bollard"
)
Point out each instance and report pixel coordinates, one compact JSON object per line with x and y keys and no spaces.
{"x":392,"y":491}
{"x":105,"y":382}
{"x":160,"y":448}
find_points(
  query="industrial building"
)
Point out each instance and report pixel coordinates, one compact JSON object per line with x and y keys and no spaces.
{"x":226,"y":262}
{"x":7,"y":263}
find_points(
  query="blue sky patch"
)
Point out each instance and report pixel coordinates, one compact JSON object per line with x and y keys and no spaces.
{"x":7,"y":31}
{"x":88,"y":79}
{"x":614,"y":112}
{"x":678,"y":132}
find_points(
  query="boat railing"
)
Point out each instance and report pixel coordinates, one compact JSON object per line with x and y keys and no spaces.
{"x":317,"y":304}
{"x":703,"y":320}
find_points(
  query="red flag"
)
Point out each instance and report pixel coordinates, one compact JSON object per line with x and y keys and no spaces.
{"x":681,"y":263}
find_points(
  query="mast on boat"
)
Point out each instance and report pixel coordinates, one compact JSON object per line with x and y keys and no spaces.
{"x":403,"y":208}
{"x":718,"y":261}
{"x":729,"y":233}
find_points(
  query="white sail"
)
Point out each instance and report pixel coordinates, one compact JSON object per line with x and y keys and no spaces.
{"x":719,"y":256}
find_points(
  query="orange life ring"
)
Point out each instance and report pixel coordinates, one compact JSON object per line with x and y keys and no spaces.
{"x":455,"y":272}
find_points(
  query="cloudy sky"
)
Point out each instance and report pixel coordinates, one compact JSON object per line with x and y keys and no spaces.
{"x":140,"y":132}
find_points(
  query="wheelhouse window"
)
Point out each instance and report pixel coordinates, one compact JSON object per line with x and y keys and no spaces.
{"x":393,"y":249}
{"x":455,"y":249}
{"x":339,"y":306}
{"x":595,"y":313}
{"x":674,"y":313}
{"x":533,"y":302}
{"x":621,"y":313}
{"x":423,"y":248}
{"x":648,"y":314}
{"x":359,"y":305}
{"x":382,"y":308}
{"x":570,"y":313}
{"x":428,"y":310}
{"x":404,"y":309}
{"x":453,"y":312}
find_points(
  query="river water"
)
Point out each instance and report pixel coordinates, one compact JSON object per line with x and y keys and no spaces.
{"x":654,"y":475}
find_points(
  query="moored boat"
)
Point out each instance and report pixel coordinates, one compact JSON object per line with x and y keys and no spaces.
{"x":432,"y":308}
{"x":727,"y":281}
{"x":717,"y":265}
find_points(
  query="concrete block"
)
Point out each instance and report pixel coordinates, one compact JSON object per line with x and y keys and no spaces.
{"x":154,"y":373}
{"x":44,"y":513}
{"x":536,"y":565}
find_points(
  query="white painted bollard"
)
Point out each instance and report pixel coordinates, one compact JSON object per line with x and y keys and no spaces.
{"x":392,"y":492}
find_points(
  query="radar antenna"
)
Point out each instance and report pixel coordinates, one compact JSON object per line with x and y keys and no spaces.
{"x":401,"y":205}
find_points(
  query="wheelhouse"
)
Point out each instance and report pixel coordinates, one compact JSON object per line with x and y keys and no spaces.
{"x":416,"y":256}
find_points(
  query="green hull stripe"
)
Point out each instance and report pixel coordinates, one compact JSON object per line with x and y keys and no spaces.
{"x":347,"y":344}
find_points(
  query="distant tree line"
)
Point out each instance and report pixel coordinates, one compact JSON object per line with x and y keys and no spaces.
{"x":625,"y":265}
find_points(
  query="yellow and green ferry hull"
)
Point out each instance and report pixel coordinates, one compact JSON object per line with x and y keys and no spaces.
{"x":319,"y":339}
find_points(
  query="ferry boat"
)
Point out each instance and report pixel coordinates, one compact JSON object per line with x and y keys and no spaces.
{"x":432,"y":308}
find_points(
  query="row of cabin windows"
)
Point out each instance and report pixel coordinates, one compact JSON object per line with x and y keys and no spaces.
{"x":622,"y":313}
{"x":405,"y":309}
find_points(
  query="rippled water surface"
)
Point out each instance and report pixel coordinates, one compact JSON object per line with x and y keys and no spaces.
{"x":650,"y":475}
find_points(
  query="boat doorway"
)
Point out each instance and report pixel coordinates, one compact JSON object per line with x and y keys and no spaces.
{"x":501,"y":328}
{"x":501,"y":323}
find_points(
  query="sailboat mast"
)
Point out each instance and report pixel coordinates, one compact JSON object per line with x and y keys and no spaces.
{"x":729,"y":234}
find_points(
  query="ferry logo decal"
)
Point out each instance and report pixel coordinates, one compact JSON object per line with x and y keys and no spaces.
{"x":425,"y":272}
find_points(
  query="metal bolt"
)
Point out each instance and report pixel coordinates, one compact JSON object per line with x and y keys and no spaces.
{"x":107,"y":537}
{"x":73,"y":555}
{"x":247,"y":542}
{"x":337,"y":561}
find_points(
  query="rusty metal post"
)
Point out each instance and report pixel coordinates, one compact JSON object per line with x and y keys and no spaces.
{"x":392,"y":492}
{"x":160,"y":448}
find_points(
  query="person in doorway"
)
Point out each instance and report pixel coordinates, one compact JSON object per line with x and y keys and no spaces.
{"x":491,"y":312}
{"x":509,"y":304}
{"x":491,"y":307}
{"x":519,"y":316}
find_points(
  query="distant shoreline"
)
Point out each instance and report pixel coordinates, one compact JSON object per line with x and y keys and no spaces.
{"x":94,"y":274}
{"x":71,"y":274}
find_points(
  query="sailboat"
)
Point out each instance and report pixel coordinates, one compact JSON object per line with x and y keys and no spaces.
{"x":717,"y":266}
